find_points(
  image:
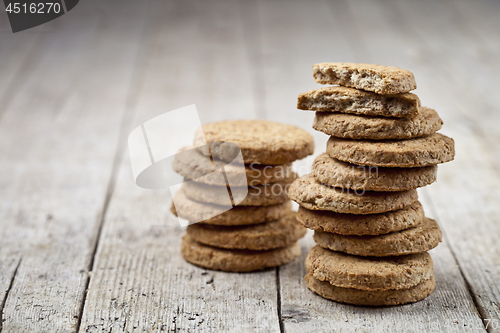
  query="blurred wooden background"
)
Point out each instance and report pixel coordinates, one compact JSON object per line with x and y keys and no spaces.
{"x":83,"y":249}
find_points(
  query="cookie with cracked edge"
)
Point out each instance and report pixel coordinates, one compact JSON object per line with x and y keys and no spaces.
{"x":421,"y":238}
{"x":377,"y":78}
{"x":311,"y":194}
{"x":355,"y":101}
{"x":260,"y":141}
{"x":349,"y":126}
{"x":195,"y":211}
{"x":369,"y":273}
{"x":362,"y":225}
{"x":259,"y":195}
{"x":191,"y":164}
{"x":368,"y":297}
{"x":262,"y":236}
{"x":333,"y":172}
{"x":419,"y":152}
{"x":236,"y":260}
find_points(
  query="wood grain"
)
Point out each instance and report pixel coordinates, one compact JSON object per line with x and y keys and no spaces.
{"x":58,"y":141}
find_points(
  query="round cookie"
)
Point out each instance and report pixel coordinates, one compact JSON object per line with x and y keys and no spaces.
{"x":336,"y":173}
{"x":260,"y":141}
{"x":371,"y":224}
{"x":194,"y":211}
{"x":349,"y":126}
{"x":421,"y":238}
{"x":236,"y":260}
{"x":311,"y":194}
{"x":369,"y":273}
{"x":368,"y":297}
{"x":262,"y":236}
{"x":419,"y":152}
{"x":191,"y":164}
{"x":260,"y":195}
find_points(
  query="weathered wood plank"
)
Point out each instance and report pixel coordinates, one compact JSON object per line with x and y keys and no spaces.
{"x":139,"y":280}
{"x":58,"y":140}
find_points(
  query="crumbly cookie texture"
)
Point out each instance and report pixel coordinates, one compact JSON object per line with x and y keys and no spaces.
{"x":236,"y":260}
{"x":421,"y":238}
{"x":191,"y":164}
{"x":264,"y":236}
{"x":330,"y":171}
{"x":368,"y":273}
{"x":311,"y":194}
{"x":360,"y":102}
{"x":195,"y":211}
{"x":259,"y":195}
{"x":368,"y":297}
{"x":428,"y":150}
{"x":260,"y":141}
{"x":376,"y":78}
{"x":350,"y":126}
{"x":362,"y":225}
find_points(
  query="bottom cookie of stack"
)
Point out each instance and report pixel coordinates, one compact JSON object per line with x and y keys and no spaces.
{"x":369,"y":281}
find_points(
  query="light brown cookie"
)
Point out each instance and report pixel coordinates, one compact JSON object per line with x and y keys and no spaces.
{"x":350,"y":100}
{"x":262,"y":236}
{"x":423,"y":237}
{"x":376,"y":78}
{"x":191,"y":164}
{"x":310,"y":194}
{"x":419,"y":152}
{"x":336,"y":173}
{"x":260,"y":141}
{"x":259,"y":195}
{"x":219,"y":215}
{"x":362,"y":225}
{"x":236,"y":260}
{"x":350,"y":126}
{"x":368,"y":297}
{"x":368,"y":273}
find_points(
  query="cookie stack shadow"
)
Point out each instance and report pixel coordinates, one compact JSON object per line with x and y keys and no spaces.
{"x":239,"y":214}
{"x":360,"y":199}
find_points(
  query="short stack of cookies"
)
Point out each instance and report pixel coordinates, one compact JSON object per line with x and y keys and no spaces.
{"x":360,"y":199}
{"x":259,"y":232}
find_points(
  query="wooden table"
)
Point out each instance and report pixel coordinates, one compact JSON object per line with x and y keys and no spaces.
{"x":84,"y":249}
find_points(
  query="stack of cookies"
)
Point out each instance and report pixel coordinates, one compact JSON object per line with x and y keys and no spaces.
{"x":255,"y":230}
{"x":360,"y":199}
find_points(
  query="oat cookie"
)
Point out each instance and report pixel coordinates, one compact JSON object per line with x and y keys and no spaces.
{"x":336,"y":173}
{"x":419,"y":152}
{"x":259,"y":195}
{"x":236,"y":260}
{"x":421,"y":238}
{"x":310,"y":194}
{"x":368,"y":297}
{"x":376,"y":78}
{"x":350,"y":126}
{"x":260,"y":141}
{"x":263,"y":236}
{"x":191,"y":164}
{"x":362,"y":225}
{"x":368,"y":273}
{"x":354,"y":101}
{"x":195,"y":211}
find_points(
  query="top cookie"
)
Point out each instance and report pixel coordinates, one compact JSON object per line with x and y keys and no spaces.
{"x":260,"y":141}
{"x":376,"y":78}
{"x":360,"y":102}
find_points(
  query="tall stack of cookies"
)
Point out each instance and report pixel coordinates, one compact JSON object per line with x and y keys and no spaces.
{"x":260,"y":231}
{"x":360,"y":199}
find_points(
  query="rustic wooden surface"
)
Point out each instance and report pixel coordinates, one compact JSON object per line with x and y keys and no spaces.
{"x":83,"y":249}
